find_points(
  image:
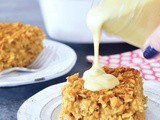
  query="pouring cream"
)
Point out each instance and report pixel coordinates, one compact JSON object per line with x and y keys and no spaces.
{"x":95,"y":78}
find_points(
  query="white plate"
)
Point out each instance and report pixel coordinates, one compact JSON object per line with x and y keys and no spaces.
{"x":64,"y":61}
{"x":46,"y":104}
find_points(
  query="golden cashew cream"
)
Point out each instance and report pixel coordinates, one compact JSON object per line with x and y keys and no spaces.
{"x":95,"y":78}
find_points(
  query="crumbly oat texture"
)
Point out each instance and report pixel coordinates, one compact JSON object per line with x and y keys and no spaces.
{"x":125,"y":102}
{"x":19,"y":44}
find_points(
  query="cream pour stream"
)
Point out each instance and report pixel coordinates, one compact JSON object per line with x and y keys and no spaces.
{"x":95,"y":78}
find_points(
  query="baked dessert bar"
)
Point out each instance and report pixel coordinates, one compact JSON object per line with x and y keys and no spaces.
{"x":124,"y":102}
{"x":19,"y":44}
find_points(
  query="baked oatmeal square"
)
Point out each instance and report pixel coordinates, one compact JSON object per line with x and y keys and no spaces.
{"x":124,"y":102}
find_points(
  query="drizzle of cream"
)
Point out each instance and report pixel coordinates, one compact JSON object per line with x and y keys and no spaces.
{"x":95,"y":78}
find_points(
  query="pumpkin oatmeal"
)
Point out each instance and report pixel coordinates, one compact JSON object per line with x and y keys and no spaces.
{"x":124,"y":102}
{"x":19,"y":44}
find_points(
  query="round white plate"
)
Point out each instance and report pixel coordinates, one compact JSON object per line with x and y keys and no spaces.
{"x":63,"y":62}
{"x":46,"y":105}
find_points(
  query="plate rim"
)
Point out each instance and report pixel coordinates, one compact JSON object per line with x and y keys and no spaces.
{"x":47,"y":78}
{"x":26,"y":102}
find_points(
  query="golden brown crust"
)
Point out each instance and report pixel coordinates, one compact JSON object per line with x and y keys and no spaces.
{"x":124,"y":102}
{"x":19,"y":44}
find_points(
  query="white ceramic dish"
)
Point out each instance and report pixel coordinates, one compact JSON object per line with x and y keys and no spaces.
{"x":64,"y":61}
{"x":65,"y":20}
{"x":46,"y":104}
